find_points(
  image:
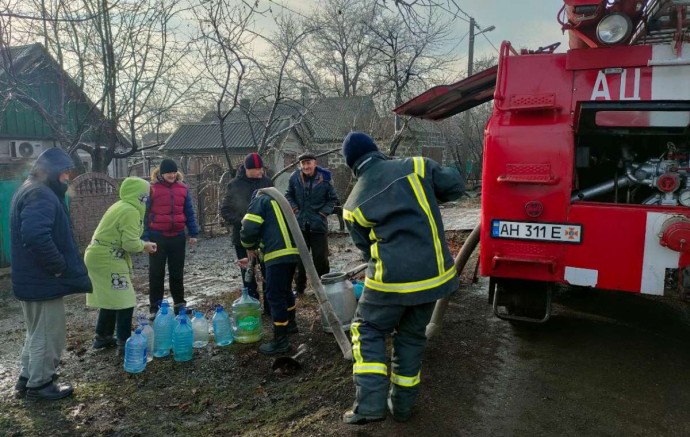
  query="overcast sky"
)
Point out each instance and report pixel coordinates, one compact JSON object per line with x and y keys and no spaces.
{"x":526,"y":23}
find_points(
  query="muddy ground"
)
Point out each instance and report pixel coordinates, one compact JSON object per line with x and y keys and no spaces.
{"x":606,"y":364}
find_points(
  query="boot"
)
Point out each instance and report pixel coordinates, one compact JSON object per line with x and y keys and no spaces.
{"x":352,"y":418}
{"x":280,"y":343}
{"x":398,"y":415}
{"x":292,"y":324}
{"x":102,"y":341}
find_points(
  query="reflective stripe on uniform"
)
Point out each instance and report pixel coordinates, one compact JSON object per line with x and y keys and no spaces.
{"x":292,"y":308}
{"x":254,"y":218}
{"x":359,"y":368}
{"x":419,"y":166}
{"x":374,"y":252}
{"x":424,"y":203}
{"x":282,"y":252}
{"x":411,"y":287}
{"x":347,"y":215}
{"x":281,"y":224}
{"x":359,"y":217}
{"x":405,"y":381}
{"x":280,"y":323}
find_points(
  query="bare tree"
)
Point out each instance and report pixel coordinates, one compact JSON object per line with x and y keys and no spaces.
{"x":223,"y":45}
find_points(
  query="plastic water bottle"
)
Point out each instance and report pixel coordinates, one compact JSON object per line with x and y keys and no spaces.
{"x":163,"y":327}
{"x":182,"y":314}
{"x":222,"y":331}
{"x":147,"y":331}
{"x":200,"y":328}
{"x":135,"y":352}
{"x":164,"y":303}
{"x":183,"y":339}
{"x":246,"y":319}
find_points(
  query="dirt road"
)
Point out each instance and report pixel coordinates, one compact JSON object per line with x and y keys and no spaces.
{"x":607,"y":364}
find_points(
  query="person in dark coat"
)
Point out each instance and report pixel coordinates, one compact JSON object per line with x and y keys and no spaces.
{"x":393,"y":217}
{"x":46,"y":266}
{"x":250,"y":177}
{"x":312,"y":197}
{"x":168,"y":211}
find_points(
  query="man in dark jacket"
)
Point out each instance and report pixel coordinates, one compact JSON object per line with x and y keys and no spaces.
{"x":393,"y":217}
{"x":312,"y":198}
{"x":250,"y":177}
{"x":264,"y":226}
{"x":46,"y":265}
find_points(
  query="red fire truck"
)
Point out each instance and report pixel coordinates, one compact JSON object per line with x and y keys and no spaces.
{"x":586,"y":172}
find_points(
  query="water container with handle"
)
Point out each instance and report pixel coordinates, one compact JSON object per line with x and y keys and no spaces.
{"x":163,"y":327}
{"x":222,"y":331}
{"x":200,"y":329}
{"x":164,"y":303}
{"x":135,"y":352}
{"x":340,"y":293}
{"x":183,"y":340}
{"x":246,"y":319}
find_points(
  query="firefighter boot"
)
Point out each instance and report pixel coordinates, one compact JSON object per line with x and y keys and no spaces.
{"x":292,"y":324}
{"x":400,"y":402}
{"x":280,"y":343}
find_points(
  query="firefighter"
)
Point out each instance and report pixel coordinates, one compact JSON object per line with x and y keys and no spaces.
{"x":265,"y":226}
{"x":393,"y":218}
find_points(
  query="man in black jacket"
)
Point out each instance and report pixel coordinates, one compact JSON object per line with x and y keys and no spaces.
{"x":250,"y":177}
{"x":394,"y":219}
{"x":312,"y":198}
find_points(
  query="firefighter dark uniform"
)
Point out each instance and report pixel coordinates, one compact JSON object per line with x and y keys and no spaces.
{"x":393,"y":218}
{"x":264,"y":226}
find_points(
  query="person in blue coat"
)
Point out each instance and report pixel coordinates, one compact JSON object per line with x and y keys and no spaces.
{"x":46,"y":266}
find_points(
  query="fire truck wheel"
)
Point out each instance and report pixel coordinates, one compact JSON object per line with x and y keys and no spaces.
{"x":523,"y":298}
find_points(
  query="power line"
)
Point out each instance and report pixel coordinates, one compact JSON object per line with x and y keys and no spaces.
{"x":492,"y":44}
{"x":288,"y":9}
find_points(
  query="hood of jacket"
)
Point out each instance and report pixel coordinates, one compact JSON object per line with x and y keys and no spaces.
{"x":49,"y":166}
{"x":135,"y":191}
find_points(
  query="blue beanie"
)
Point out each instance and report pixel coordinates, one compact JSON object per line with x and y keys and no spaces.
{"x":356,"y":145}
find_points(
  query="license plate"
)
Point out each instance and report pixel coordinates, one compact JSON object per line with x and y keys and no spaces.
{"x":559,"y":232}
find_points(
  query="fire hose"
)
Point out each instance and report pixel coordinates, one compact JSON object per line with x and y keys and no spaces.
{"x":461,"y":259}
{"x":326,"y":307}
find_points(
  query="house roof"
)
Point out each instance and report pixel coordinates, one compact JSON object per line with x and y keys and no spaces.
{"x":23,"y":61}
{"x":325,"y":120}
{"x":205,"y":137}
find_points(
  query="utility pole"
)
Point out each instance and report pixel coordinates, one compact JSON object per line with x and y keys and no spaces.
{"x":470,"y":55}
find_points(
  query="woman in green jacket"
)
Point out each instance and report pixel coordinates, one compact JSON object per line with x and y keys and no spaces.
{"x":110,"y":265}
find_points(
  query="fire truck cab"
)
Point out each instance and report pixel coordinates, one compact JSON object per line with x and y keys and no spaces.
{"x":586,"y":165}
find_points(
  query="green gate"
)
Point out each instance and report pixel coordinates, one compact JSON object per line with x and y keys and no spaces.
{"x":7,"y":189}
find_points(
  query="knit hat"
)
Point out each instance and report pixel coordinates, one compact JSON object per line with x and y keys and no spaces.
{"x":168,"y":166}
{"x":253,"y":160}
{"x":356,"y":145}
{"x":306,"y":156}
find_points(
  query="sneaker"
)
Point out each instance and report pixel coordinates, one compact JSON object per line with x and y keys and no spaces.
{"x":50,"y":392}
{"x":352,"y":418}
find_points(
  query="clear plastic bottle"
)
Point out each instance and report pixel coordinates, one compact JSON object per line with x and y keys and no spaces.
{"x":183,"y":340}
{"x":246,"y":319}
{"x":163,"y":327}
{"x":200,"y":328}
{"x":222,"y":331}
{"x":147,"y":331}
{"x":182,"y":313}
{"x":164,"y":303}
{"x":135,"y":352}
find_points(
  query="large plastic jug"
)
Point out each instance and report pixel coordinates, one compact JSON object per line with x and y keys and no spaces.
{"x":183,"y":340}
{"x":147,"y":331}
{"x":164,"y":303}
{"x":246,"y":319}
{"x":163,"y":327}
{"x":222,"y":331}
{"x":200,"y":329}
{"x":340,"y":294}
{"x":135,"y":352}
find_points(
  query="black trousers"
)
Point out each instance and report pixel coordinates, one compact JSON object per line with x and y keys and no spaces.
{"x":171,"y":251}
{"x":252,"y":285}
{"x":279,"y":292}
{"x":318,"y":244}
{"x":108,"y":320}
